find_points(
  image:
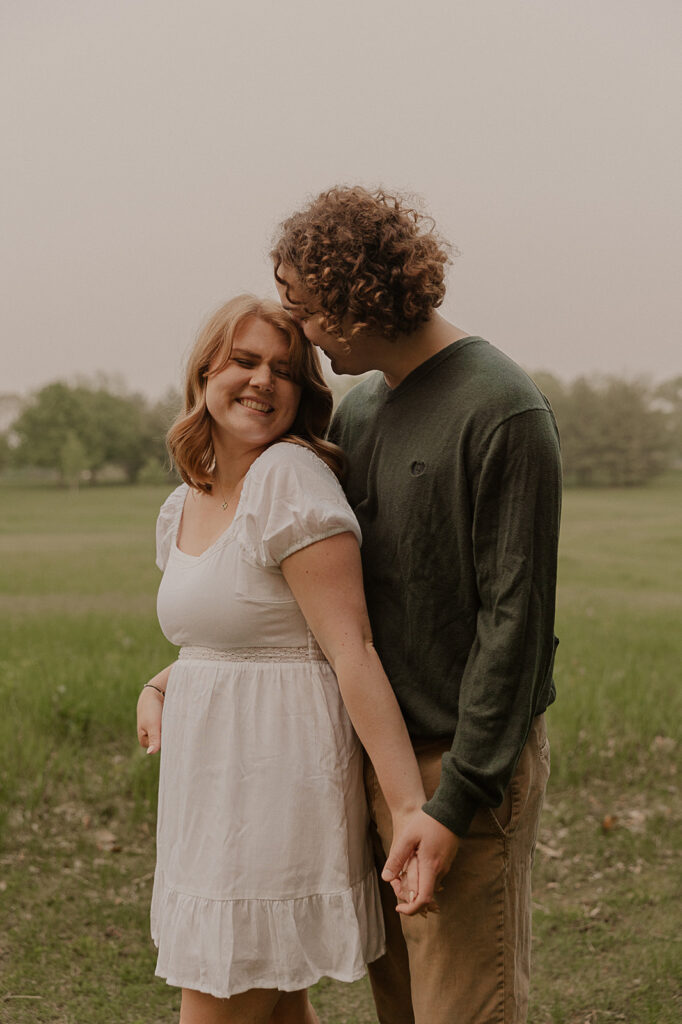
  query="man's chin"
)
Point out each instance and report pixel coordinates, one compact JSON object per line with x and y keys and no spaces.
{"x":338,"y":368}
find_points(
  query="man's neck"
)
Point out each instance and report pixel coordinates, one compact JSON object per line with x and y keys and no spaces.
{"x":397,"y":359}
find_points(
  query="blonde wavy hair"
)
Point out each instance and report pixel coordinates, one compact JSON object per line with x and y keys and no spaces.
{"x":371,"y":255}
{"x":189,"y":439}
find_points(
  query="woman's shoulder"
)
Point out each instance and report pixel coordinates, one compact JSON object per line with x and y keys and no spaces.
{"x":166,"y":523}
{"x":287,"y":460}
{"x":291,"y":499}
{"x":174,"y":502}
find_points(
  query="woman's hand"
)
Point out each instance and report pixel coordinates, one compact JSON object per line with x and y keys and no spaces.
{"x":406,"y":886}
{"x":421,"y":854}
{"x":149,"y":710}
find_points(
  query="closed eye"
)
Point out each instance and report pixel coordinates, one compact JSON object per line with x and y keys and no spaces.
{"x":299,"y":314}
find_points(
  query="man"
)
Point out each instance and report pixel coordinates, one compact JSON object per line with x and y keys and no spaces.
{"x":454,"y":475}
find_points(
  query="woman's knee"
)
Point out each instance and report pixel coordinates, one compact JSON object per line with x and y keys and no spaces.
{"x":294,"y":1008}
{"x":252,"y":1007}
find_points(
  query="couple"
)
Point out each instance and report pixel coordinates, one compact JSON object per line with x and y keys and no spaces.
{"x":275,"y":865}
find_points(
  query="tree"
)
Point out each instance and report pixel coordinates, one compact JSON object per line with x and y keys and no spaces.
{"x":635,"y":442}
{"x":668,"y":400}
{"x":45,"y":424}
{"x":613,"y":431}
{"x":583,"y":443}
{"x":111,"y":429}
{"x":5,"y":452}
{"x":73,"y":460}
{"x":159,"y":418}
{"x":116,"y":430}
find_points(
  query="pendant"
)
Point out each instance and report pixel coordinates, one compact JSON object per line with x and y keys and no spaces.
{"x":224,"y":506}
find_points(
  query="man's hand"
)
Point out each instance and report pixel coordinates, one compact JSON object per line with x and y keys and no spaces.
{"x":433,"y":846}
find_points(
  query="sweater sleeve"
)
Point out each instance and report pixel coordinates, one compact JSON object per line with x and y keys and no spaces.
{"x":516,"y":493}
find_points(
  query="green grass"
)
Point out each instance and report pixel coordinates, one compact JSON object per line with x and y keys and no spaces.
{"x":619,"y":613}
{"x":78,"y":636}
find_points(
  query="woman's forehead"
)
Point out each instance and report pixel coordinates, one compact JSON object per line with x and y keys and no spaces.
{"x":255,"y":337}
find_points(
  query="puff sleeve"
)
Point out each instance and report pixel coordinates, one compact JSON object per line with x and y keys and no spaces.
{"x":167,"y":524}
{"x":293,"y":499}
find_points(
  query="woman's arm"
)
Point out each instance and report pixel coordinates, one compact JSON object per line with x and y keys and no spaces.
{"x":149,"y":708}
{"x":326,"y":580}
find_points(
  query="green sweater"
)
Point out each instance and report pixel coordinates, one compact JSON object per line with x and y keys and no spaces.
{"x":455,"y":478}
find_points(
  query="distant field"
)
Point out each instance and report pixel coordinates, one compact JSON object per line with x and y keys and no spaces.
{"x":78,"y":637}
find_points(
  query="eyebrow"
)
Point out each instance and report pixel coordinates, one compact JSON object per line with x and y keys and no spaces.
{"x":255,"y":355}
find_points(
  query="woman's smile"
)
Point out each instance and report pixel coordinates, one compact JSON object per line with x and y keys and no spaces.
{"x":256,"y":405}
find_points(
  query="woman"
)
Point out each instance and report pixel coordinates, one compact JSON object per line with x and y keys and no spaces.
{"x":264,"y":879}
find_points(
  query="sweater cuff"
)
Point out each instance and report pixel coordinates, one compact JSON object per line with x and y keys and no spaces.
{"x":455,"y":810}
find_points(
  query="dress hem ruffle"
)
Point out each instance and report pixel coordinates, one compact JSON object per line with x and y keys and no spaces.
{"x":224,"y":947}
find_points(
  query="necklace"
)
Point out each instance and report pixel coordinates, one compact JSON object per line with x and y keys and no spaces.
{"x":225,"y":504}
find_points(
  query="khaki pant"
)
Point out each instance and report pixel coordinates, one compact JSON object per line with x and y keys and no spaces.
{"x":470,"y":964}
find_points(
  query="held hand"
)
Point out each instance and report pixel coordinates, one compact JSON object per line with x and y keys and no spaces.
{"x":149,"y":708}
{"x":434,"y":847}
{"x":406,"y":886}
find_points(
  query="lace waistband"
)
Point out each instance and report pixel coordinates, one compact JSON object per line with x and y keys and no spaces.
{"x":311,"y":652}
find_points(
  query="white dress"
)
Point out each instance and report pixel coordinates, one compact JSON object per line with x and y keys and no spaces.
{"x":264,"y":875}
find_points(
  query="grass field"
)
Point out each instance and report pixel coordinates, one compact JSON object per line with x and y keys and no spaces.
{"x":78,"y":637}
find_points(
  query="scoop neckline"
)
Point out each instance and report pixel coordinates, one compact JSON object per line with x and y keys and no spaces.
{"x":219,"y":539}
{"x":226,"y":532}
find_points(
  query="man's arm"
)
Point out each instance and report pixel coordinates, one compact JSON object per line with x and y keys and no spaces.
{"x":516,"y":492}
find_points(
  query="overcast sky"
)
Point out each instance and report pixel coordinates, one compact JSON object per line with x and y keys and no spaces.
{"x":152,"y":146}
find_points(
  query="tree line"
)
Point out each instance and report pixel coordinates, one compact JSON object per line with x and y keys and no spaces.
{"x":614,"y":431}
{"x":78,"y":431}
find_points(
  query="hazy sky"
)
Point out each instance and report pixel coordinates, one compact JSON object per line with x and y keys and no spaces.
{"x":152,"y":146}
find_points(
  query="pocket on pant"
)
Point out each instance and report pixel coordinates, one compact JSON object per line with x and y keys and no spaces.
{"x":543,"y":757}
{"x":544,"y":763}
{"x":505,"y":816}
{"x":542,"y":735}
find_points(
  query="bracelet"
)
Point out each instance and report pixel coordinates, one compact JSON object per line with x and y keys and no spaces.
{"x":158,"y":690}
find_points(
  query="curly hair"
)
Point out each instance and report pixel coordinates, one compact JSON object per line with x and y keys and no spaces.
{"x":190,"y":441}
{"x":369,"y":255}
